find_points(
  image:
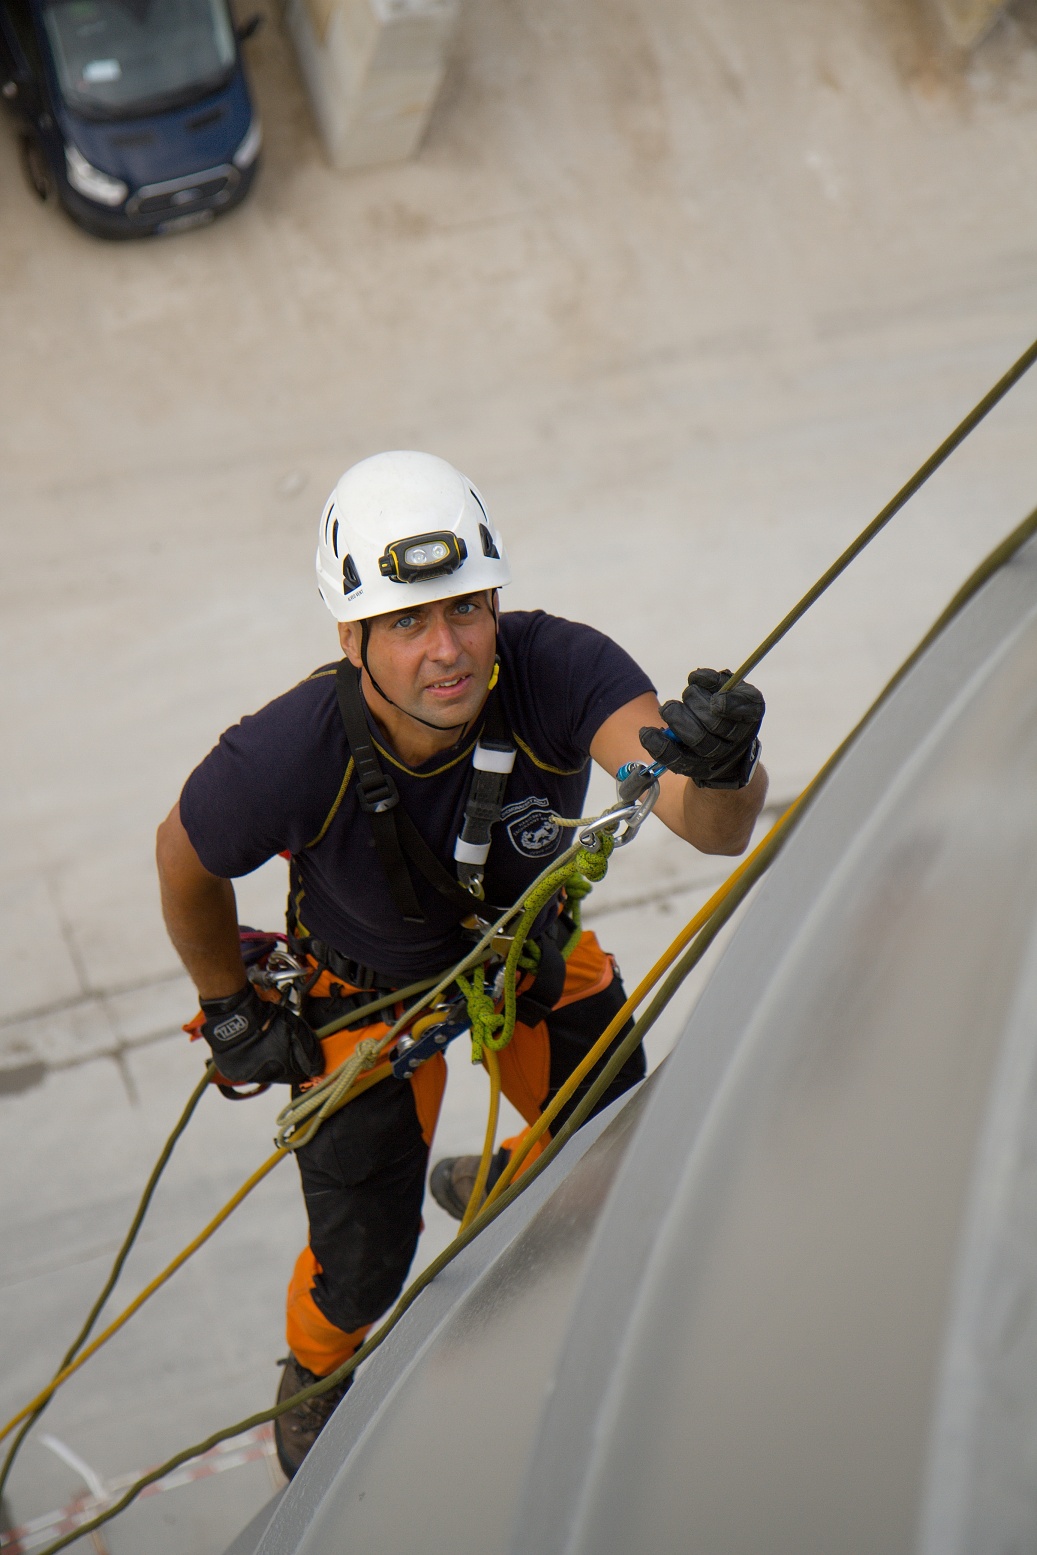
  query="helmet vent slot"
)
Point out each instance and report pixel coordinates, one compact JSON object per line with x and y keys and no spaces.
{"x":334,"y":537}
{"x":350,"y":576}
{"x":478,"y":499}
{"x":488,"y":547}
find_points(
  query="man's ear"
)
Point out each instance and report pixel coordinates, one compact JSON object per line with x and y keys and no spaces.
{"x":349,"y":638}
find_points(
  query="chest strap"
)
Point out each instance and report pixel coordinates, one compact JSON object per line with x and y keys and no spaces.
{"x":492,"y":761}
{"x":396,"y":837}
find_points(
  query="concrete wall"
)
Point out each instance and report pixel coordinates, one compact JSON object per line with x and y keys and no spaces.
{"x":372,"y":69}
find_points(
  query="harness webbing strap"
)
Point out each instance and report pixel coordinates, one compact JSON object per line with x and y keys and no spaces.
{"x":377,"y":792}
{"x":492,"y":762}
{"x":419,"y":853}
{"x":396,"y":836}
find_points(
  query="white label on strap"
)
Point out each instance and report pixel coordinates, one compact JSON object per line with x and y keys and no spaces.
{"x":486,"y":760}
{"x":471,"y":852}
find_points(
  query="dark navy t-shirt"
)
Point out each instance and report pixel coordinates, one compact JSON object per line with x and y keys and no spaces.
{"x":282,"y":781}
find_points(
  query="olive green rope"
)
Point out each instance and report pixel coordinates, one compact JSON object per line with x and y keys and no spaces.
{"x":118,"y":1264}
{"x":879,"y":522}
{"x":997,"y":559}
{"x":414,"y":1290}
{"x":359,"y":1016}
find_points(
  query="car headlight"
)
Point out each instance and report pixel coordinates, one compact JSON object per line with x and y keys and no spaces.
{"x":248,"y":151}
{"x":89,"y":180}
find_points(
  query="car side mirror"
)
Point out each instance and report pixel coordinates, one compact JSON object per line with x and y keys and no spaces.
{"x":247,"y":30}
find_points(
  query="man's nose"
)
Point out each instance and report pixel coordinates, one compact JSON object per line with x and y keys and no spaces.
{"x":443,"y":643}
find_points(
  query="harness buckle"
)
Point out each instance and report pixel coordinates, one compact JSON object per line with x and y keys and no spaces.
{"x":377,"y":791}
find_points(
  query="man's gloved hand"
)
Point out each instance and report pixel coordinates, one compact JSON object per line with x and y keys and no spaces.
{"x":716,"y":731}
{"x":253,"y":1039}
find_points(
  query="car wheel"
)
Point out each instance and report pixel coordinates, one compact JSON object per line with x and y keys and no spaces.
{"x":36,"y":168}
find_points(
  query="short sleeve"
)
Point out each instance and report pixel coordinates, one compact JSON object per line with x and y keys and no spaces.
{"x":269,"y":783}
{"x":568,"y":679}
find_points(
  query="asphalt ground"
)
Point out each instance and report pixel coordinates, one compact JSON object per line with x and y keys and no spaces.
{"x":689,"y":288}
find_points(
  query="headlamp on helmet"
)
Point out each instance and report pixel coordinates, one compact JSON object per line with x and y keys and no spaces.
{"x":448,"y":544}
{"x":418,"y":557}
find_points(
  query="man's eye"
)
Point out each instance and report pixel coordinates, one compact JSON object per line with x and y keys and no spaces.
{"x":406,"y":622}
{"x":466,"y":607}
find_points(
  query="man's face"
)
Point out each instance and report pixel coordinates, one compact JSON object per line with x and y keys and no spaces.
{"x":435,"y":660}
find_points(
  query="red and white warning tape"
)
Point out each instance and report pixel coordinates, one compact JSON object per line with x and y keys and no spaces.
{"x":33,"y":1535}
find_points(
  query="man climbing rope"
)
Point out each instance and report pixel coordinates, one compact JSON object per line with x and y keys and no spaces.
{"x":383,"y":776}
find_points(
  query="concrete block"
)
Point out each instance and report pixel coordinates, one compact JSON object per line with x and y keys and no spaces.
{"x":38,"y":967}
{"x":61,"y":1038}
{"x":966,"y":21}
{"x":373,"y":69}
{"x":157,"y":1009}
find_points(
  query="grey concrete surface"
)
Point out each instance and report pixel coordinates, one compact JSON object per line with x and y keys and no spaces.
{"x":689,"y":288}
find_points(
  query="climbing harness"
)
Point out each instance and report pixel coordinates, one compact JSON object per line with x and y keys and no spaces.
{"x":300,"y":1119}
{"x":596,"y":839}
{"x":396,"y":837}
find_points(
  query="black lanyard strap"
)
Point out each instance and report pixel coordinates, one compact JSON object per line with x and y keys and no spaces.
{"x":396,"y":837}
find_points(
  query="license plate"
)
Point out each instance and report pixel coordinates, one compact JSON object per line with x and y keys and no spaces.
{"x":188,"y":219}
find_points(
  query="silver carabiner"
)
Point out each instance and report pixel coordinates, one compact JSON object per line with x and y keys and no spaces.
{"x":281,"y":970}
{"x":625,"y":818}
{"x":642,"y":809}
{"x":590,"y":836}
{"x":624,"y":821}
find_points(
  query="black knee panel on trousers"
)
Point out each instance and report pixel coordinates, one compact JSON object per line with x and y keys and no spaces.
{"x":573,"y":1031}
{"x":363,"y":1177}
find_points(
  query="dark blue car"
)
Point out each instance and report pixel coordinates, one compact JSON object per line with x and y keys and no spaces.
{"x":135,"y":113}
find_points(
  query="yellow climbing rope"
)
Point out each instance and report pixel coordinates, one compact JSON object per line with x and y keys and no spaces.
{"x":568,"y":1089}
{"x":297,"y":1128}
{"x":358,"y":1074}
{"x":709,"y":920}
{"x":478,"y":1193}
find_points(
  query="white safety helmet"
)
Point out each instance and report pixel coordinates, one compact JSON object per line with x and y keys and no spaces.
{"x":404,"y":529}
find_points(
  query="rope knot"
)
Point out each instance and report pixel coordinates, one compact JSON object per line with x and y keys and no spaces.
{"x":593,"y":866}
{"x":482,"y":1013}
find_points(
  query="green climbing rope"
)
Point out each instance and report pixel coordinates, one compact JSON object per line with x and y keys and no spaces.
{"x":492,"y":1028}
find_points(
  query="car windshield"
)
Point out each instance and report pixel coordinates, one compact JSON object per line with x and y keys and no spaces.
{"x":120,"y":57}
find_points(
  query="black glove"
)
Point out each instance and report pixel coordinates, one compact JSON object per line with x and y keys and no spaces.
{"x":253,"y":1039}
{"x":716,"y":744}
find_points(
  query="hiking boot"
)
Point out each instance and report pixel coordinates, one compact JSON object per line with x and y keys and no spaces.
{"x":453,"y":1179}
{"x":296,"y":1431}
{"x":452,"y":1182}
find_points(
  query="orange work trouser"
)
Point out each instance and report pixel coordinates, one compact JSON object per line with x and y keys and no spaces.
{"x":364,"y":1172}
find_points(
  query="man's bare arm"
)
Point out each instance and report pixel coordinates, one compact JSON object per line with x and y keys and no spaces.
{"x":201,"y":913}
{"x":712,"y":820}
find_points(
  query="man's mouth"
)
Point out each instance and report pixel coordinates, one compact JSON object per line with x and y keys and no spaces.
{"x":450,"y":685}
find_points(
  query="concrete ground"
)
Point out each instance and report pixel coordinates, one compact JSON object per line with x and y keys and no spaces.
{"x":689,"y":288}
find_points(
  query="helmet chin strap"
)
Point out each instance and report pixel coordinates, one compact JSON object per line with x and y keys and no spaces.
{"x":365,"y":632}
{"x":365,"y":637}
